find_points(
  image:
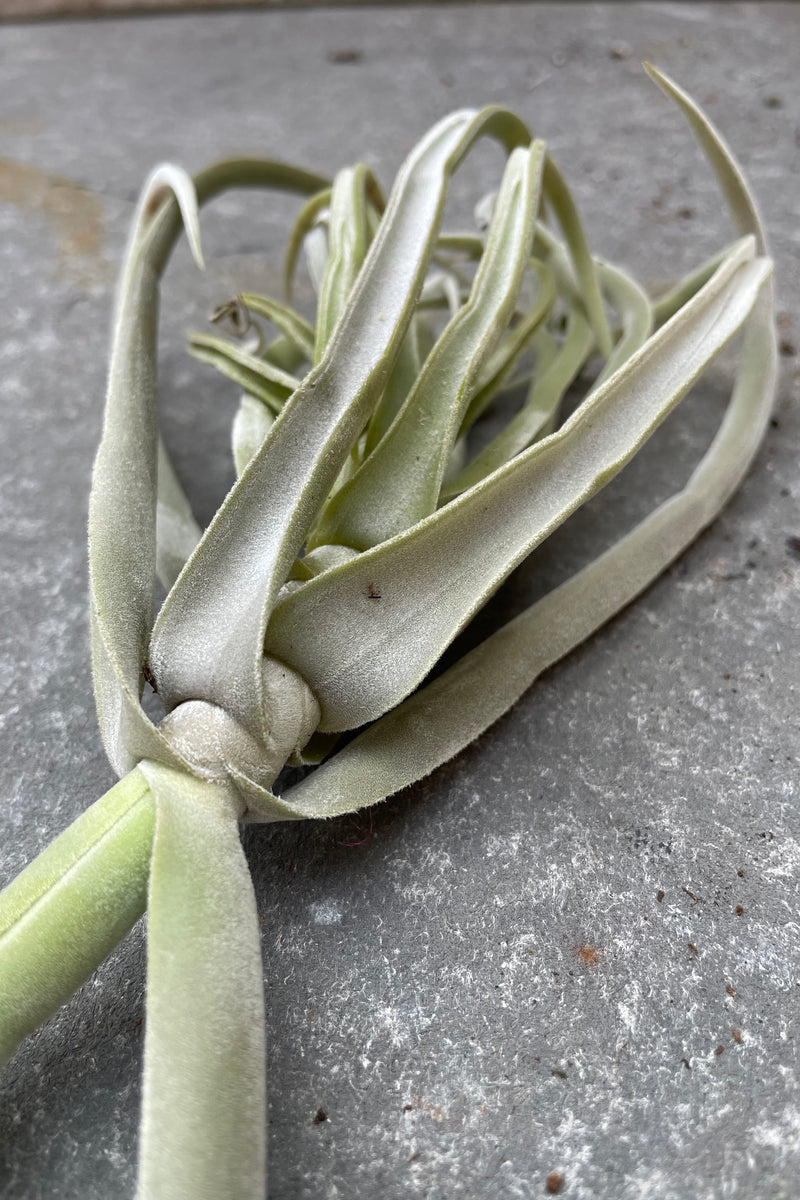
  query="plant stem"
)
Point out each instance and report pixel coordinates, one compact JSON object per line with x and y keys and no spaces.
{"x":68,"y":909}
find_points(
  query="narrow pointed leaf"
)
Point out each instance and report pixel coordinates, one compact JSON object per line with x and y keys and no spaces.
{"x":348,"y":241}
{"x":209,"y":636}
{"x":499,"y":367}
{"x":399,"y":483}
{"x":633,"y":305}
{"x":304,"y":222}
{"x":361,"y":657}
{"x":123,"y":503}
{"x":290,"y":323}
{"x":538,"y":411}
{"x":255,"y":375}
{"x":204,"y":1113}
{"x":440,"y":719}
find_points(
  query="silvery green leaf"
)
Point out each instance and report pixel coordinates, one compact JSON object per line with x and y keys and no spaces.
{"x":442,"y":718}
{"x":635,"y":310}
{"x":741,"y":204}
{"x":559,"y":197}
{"x":251,"y":425}
{"x":401,"y":379}
{"x":349,"y":235}
{"x":360,"y":656}
{"x":537,"y":413}
{"x":304,"y":223}
{"x":499,"y":366}
{"x":177,"y":532}
{"x":256,"y":375}
{"x":399,"y":482}
{"x":122,"y":506}
{"x":674,"y":298}
{"x":66,"y":911}
{"x":290,"y":323}
{"x":204,"y":1114}
{"x":208,"y":640}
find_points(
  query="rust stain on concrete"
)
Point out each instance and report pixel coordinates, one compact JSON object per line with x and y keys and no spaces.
{"x":75,"y":214}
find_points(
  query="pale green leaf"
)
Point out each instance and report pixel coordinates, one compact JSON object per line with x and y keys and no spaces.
{"x":304,"y":223}
{"x":290,"y":323}
{"x":66,"y":911}
{"x":255,"y":375}
{"x":209,"y":636}
{"x":349,"y":235}
{"x":399,"y":482}
{"x":204,"y":1116}
{"x":537,"y":413}
{"x":361,"y":657}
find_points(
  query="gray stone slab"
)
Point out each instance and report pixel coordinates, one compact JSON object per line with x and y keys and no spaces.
{"x":536,"y":959}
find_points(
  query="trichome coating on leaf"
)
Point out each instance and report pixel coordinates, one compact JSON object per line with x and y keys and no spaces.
{"x":358,"y":481}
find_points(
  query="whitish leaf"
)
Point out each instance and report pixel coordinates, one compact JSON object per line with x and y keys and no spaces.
{"x":635,"y":310}
{"x":537,"y":413}
{"x":122,"y":506}
{"x":209,"y":637}
{"x":204,"y":1115}
{"x":177,"y":532}
{"x":399,"y":482}
{"x":440,"y":719}
{"x":499,"y":366}
{"x":251,"y":425}
{"x":349,"y":235}
{"x":360,"y":656}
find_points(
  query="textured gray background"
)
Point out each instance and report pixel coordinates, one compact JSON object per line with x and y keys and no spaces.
{"x":486,"y":986}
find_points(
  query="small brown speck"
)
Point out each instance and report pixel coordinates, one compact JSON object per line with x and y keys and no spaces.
{"x":554,"y":1182}
{"x":347,"y":54}
{"x":559,"y":1074}
{"x":659,"y":896}
{"x":620,"y":51}
{"x":589,"y":955}
{"x":737,"y":1036}
{"x":739,"y":910}
{"x":320,"y":1116}
{"x":793,"y":545}
{"x":685,"y":213}
{"x":787,"y":348}
{"x":695,"y":899}
{"x":693,"y":948}
{"x":720,"y":1050}
{"x":773,"y":102}
{"x":730,"y":990}
{"x":414,"y":1156}
{"x":408,"y":1108}
{"x":740,"y":873}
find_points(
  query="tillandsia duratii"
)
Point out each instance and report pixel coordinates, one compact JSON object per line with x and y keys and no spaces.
{"x":368,"y":524}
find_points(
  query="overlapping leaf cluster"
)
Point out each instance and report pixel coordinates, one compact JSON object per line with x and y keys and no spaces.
{"x":368,"y":524}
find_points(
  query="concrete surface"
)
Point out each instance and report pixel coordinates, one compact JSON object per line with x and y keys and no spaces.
{"x":574,"y":948}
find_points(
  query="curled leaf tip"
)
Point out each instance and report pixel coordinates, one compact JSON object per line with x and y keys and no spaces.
{"x":168,"y":178}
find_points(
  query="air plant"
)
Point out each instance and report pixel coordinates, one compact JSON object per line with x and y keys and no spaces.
{"x":363,"y":533}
